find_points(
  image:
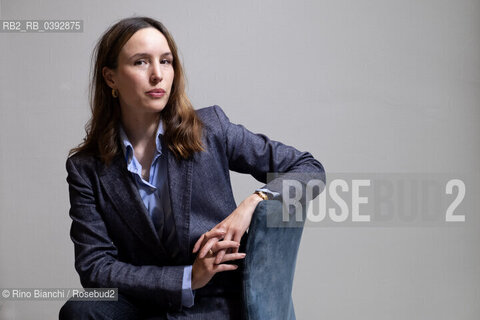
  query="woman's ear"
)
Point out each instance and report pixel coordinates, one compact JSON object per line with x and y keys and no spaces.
{"x":109,"y":77}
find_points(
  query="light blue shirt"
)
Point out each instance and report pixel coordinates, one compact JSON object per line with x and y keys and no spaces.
{"x":150,"y":192}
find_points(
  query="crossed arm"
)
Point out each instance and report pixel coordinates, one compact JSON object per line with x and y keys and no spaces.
{"x":257,"y":155}
{"x":97,"y":258}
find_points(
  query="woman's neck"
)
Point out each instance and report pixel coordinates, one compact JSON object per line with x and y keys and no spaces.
{"x":141,"y":129}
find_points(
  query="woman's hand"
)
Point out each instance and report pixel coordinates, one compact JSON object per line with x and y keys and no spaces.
{"x":204,"y":268}
{"x":231,"y":228}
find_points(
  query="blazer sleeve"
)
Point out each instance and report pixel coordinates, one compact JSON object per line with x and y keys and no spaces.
{"x":96,"y":257}
{"x":269,"y":161}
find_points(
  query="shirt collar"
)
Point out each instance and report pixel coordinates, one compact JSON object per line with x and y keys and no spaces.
{"x":128,"y":148}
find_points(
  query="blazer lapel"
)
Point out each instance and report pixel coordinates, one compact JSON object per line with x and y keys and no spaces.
{"x":180,"y":188}
{"x":121,"y":189}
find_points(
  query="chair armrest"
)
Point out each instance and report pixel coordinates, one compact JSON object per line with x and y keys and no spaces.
{"x":271,"y":246}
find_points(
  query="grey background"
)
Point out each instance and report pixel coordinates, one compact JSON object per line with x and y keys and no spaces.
{"x":364,"y":85}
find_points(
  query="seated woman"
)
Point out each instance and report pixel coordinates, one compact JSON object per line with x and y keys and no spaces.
{"x":152,"y":207}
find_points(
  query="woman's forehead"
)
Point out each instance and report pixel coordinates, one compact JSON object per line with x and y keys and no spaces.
{"x":146,"y":40}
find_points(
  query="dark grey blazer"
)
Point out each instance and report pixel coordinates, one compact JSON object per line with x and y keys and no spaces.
{"x":115,"y":241}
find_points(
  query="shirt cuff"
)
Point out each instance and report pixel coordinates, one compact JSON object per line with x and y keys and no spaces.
{"x":187,"y":292}
{"x":271,"y":194}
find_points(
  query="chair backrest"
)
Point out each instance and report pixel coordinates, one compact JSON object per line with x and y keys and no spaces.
{"x":271,"y":247}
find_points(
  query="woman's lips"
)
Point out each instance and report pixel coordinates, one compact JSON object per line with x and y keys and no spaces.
{"x":156,"y":93}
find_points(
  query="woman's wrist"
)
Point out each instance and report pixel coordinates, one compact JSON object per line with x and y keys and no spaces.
{"x":255,"y":198}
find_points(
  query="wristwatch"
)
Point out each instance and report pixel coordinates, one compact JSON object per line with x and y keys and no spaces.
{"x":262,"y":195}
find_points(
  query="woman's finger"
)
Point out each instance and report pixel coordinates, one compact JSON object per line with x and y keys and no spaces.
{"x":224,"y":267}
{"x":237,"y":238}
{"x":233,"y":256}
{"x":207,"y":247}
{"x":221,"y":253}
{"x":225,"y":244}
{"x":198,"y":243}
{"x":207,"y":235}
{"x":215,"y":233}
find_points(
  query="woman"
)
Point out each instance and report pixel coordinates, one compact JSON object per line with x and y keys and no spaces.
{"x":152,"y":208}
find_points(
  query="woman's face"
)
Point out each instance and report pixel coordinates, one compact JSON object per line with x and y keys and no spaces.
{"x":144,"y":74}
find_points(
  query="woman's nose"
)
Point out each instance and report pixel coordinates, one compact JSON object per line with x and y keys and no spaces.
{"x":156,"y":75}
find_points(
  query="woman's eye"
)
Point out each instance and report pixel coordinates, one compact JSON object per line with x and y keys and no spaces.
{"x":139,"y":62}
{"x":166,"y":61}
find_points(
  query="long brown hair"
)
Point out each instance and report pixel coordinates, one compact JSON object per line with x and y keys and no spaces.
{"x":182,"y":126}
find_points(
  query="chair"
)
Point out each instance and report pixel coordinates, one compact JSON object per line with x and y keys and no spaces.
{"x":269,"y":265}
